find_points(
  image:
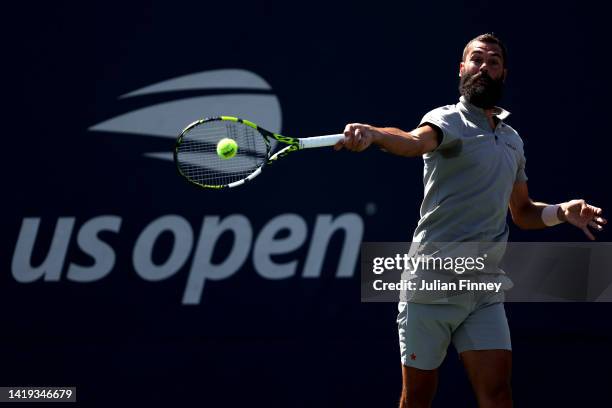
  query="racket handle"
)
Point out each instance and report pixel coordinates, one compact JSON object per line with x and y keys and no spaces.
{"x":320,"y":141}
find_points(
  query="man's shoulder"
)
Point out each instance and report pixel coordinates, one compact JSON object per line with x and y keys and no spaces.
{"x":448,"y":113}
{"x":446,"y":109}
{"x":512,"y":133}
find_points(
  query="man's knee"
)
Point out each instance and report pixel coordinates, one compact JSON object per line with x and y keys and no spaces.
{"x":499,"y":395}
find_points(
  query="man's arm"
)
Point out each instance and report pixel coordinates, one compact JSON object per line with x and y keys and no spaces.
{"x":358,"y":137}
{"x":527,"y":214}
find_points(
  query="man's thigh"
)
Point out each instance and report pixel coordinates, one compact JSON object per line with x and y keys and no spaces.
{"x":425,"y":332}
{"x":483,"y":343}
{"x":489,"y":372}
{"x":487,"y":364}
{"x":418,"y":387}
{"x":485,"y":328}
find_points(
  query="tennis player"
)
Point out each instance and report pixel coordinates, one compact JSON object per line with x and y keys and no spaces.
{"x":474,"y":170}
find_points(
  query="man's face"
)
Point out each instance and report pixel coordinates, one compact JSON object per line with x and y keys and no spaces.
{"x":482,"y":74}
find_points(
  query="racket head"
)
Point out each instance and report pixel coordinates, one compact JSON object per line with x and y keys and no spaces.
{"x":195,"y":152}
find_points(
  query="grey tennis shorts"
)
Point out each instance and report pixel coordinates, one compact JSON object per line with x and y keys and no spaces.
{"x":472,"y":321}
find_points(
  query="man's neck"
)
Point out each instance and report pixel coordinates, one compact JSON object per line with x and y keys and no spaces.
{"x":493,"y":115}
{"x":491,"y":118}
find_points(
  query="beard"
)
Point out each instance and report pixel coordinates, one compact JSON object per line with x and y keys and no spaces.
{"x":481,"y":90}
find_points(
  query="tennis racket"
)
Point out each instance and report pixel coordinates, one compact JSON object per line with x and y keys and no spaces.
{"x":195,"y":152}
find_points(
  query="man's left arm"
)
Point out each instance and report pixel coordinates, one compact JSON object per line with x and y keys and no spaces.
{"x":528,"y":214}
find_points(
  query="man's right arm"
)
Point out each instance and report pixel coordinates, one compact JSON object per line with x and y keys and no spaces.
{"x":358,"y":137}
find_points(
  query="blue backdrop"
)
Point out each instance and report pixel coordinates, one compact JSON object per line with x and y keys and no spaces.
{"x":120,"y":278}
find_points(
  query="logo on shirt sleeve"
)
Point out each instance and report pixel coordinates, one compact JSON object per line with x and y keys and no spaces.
{"x":511,"y":146}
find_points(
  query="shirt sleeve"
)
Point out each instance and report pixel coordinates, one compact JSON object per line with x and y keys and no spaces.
{"x":521,"y":175}
{"x":443,"y":119}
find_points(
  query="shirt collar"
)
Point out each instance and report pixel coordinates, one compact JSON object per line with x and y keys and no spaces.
{"x":464,"y":105}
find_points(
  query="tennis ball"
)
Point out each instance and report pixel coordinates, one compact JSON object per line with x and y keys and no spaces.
{"x":227,"y":148}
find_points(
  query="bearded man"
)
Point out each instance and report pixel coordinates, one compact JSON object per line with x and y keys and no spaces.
{"x":474,"y":171}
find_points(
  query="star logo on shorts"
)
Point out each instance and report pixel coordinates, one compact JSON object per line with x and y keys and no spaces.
{"x":413,"y":356}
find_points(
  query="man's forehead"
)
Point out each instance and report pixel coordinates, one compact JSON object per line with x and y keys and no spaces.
{"x":485,"y":48}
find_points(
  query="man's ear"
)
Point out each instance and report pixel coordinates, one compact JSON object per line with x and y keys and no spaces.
{"x":460,"y":69}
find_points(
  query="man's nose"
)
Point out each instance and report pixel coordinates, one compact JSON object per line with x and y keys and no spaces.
{"x":484,"y":68}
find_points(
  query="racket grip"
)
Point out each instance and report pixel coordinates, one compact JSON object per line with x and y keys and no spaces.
{"x":320,"y":141}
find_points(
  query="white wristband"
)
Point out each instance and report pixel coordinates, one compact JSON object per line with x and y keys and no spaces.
{"x":549,"y":215}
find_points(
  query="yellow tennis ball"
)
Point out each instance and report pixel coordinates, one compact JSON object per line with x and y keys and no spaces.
{"x":227,"y":148}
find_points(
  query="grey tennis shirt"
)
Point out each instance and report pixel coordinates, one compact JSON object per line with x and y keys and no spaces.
{"x":469,"y":178}
{"x":468,"y":181}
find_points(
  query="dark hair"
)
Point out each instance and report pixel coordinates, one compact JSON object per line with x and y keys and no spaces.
{"x":489,"y":38}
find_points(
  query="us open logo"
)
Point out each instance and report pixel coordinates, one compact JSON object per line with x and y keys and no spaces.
{"x":235,"y":92}
{"x":232,"y":92}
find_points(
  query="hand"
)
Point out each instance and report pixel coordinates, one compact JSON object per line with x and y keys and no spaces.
{"x":582,"y":215}
{"x":357,"y":137}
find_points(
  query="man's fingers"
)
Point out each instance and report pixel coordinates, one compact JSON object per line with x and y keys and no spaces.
{"x":585,"y":210}
{"x":348,"y":135}
{"x":356,"y":138}
{"x":589,"y":210}
{"x":588,"y":233}
{"x":352,"y":141}
{"x":364,"y":143}
{"x":595,"y":225}
{"x":349,"y":141}
{"x":594,"y":210}
{"x":339,"y":145}
{"x":586,"y":216}
{"x":342,"y":143}
{"x":348,"y":129}
{"x":348,"y":132}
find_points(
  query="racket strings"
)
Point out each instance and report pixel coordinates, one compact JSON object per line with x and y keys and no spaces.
{"x":197,"y":154}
